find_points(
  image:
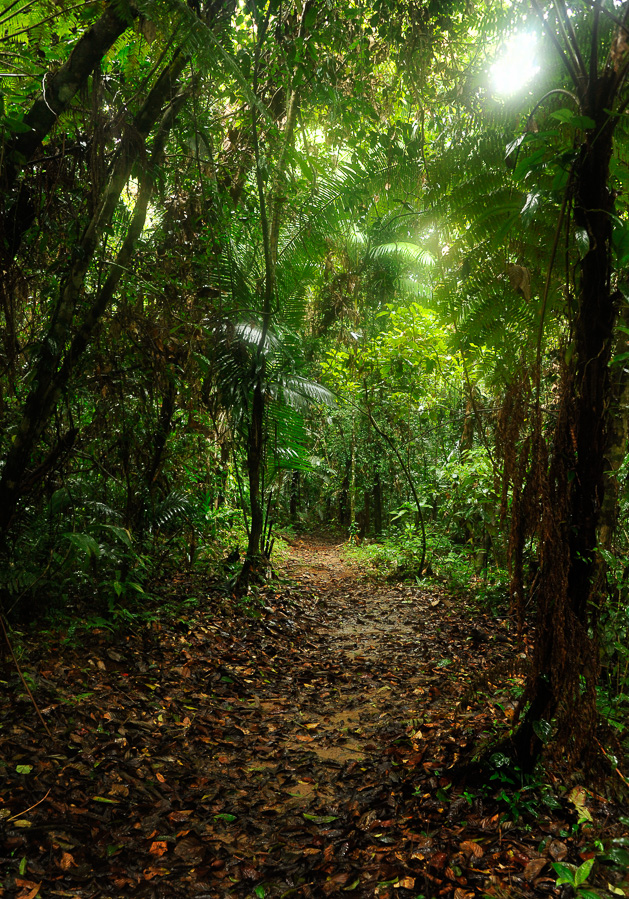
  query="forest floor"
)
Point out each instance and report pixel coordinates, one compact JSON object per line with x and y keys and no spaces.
{"x":305,"y":751}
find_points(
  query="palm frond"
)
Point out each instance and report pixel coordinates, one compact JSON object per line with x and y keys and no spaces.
{"x":301,"y":393}
{"x":175,"y":505}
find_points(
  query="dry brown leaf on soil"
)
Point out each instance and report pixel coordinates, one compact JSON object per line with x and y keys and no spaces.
{"x":534,"y":868}
{"x":557,"y":850}
{"x":66,"y":861}
{"x":472,"y":848}
{"x":158,"y":847}
{"x":462,"y":894}
{"x":150,"y":873}
{"x":29,"y":888}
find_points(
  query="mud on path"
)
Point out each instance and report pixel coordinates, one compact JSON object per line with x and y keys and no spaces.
{"x":301,"y":752}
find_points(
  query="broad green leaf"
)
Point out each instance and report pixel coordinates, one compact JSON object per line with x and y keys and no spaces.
{"x":543,"y":730}
{"x":23,"y":769}
{"x":566,"y":873}
{"x":620,"y":241}
{"x":583,"y":872}
{"x":84,"y":542}
{"x":618,"y":856}
{"x":121,"y":533}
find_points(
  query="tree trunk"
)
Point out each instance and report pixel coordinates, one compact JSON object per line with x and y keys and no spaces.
{"x":270,"y":227}
{"x":294,"y":495}
{"x":617,"y":435}
{"x":377,"y":504}
{"x":255,"y":459}
{"x":565,"y":663}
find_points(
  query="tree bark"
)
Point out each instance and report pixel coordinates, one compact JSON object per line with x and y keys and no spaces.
{"x":565,"y":662}
{"x":270,"y":227}
{"x":617,"y":435}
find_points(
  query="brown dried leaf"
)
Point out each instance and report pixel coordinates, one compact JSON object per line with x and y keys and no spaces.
{"x":29,"y":889}
{"x":534,"y":868}
{"x":557,"y":850}
{"x":520,"y":280}
{"x":66,"y":861}
{"x":472,"y":848}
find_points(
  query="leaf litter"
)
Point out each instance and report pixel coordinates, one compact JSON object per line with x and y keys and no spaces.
{"x":305,"y":752}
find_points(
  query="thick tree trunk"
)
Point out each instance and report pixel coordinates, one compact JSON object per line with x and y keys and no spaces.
{"x":565,"y":664}
{"x":617,"y":436}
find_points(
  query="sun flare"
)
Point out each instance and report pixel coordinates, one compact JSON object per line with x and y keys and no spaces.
{"x":516,"y":65}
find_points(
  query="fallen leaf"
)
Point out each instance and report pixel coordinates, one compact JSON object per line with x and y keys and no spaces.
{"x":158,"y":847}
{"x":558,"y":850}
{"x":29,"y":888}
{"x":534,"y":868}
{"x":472,"y":848}
{"x":67,"y":861}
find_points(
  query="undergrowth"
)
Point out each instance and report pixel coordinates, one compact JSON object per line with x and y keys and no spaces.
{"x":456,"y":566}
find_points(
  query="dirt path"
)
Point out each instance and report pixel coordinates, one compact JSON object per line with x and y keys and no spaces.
{"x":301,"y":752}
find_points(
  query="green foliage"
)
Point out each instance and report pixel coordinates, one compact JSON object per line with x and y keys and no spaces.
{"x":576,"y":876}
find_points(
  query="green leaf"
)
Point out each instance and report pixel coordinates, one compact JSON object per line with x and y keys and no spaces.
{"x":543,"y":730}
{"x":223,"y":816}
{"x":620,"y":241}
{"x":121,"y":533}
{"x":104,"y":799}
{"x":584,"y":122}
{"x":259,"y":891}
{"x":582,"y":240}
{"x":85,"y":543}
{"x":566,"y":873}
{"x":23,"y":769}
{"x":17,"y":126}
{"x":618,"y":856}
{"x":320,"y":819}
{"x":569,"y":117}
{"x":583,"y":872}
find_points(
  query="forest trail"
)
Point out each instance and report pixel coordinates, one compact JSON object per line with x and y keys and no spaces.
{"x":302,"y":752}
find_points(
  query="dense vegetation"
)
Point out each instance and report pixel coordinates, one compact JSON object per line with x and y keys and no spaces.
{"x":297,"y":266}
